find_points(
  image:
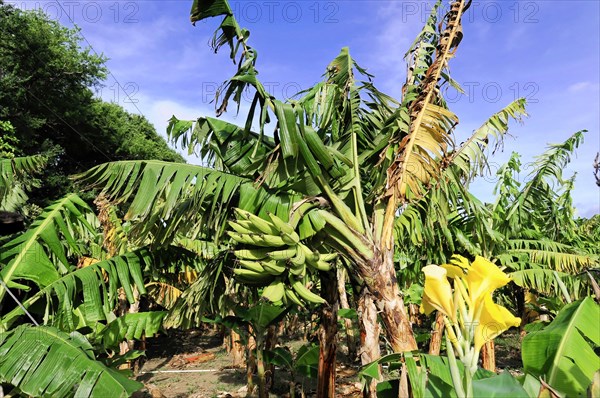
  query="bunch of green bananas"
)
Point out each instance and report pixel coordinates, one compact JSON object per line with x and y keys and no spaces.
{"x":279,"y":255}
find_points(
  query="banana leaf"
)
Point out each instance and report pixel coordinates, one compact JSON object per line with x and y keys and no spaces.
{"x":45,"y":362}
{"x":563,"y":352}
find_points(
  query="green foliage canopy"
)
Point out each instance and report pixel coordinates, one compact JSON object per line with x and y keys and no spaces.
{"x":46,"y":94}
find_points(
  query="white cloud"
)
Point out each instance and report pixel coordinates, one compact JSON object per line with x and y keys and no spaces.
{"x":582,"y":86}
{"x":397,"y":23}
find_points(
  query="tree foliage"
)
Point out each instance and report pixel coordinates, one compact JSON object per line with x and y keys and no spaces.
{"x":46,"y":94}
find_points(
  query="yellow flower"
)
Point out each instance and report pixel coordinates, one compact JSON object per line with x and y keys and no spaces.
{"x":437,"y":293}
{"x":493,"y":320}
{"x":476,"y":319}
{"x":472,"y":289}
{"x":483,"y":277}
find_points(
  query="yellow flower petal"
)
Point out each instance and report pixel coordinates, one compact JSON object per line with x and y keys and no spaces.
{"x":453,"y":271}
{"x":460,"y":261}
{"x":426,"y":308}
{"x":483,"y":278}
{"x":494,"y":319}
{"x":437,"y":293}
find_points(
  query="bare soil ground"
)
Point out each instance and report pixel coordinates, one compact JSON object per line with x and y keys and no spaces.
{"x":194,"y":364}
{"x":189,"y":364}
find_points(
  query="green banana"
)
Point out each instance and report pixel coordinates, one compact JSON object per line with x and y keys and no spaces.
{"x":285,"y":229}
{"x":299,"y":212}
{"x":281,"y":225}
{"x":298,"y":269}
{"x":311,"y":257}
{"x":298,"y":263}
{"x":252,"y":266}
{"x":268,"y":240}
{"x":321,"y":265}
{"x":272,"y":267}
{"x":328,"y":256}
{"x":293,"y":297}
{"x":291,"y":239}
{"x":304,"y":293}
{"x":241,"y":238}
{"x":239,"y":228}
{"x":247,"y":224}
{"x":300,"y":257}
{"x":275,"y":291}
{"x":283,"y":254}
{"x":250,"y":277}
{"x":264,"y":226}
{"x":251,"y":254}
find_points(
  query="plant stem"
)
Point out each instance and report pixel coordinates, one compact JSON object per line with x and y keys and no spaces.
{"x":468,"y":383}
{"x":454,"y":372}
{"x":250,"y":363}
{"x":451,"y":336}
{"x":260,"y":369}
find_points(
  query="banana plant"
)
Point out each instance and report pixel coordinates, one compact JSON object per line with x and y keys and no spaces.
{"x":362,"y":155}
{"x":324,"y":135}
{"x":36,"y":268}
{"x":40,"y":283}
{"x":519,"y":229}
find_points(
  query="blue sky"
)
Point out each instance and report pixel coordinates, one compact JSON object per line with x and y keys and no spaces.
{"x":547,"y":51}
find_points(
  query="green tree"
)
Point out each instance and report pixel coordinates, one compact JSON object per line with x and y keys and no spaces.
{"x":125,"y":135}
{"x":44,"y":75}
{"x":46,"y":93}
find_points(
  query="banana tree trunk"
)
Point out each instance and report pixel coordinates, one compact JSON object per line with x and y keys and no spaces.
{"x":260,"y":368}
{"x":383,"y":285}
{"x":128,"y":345}
{"x":327,"y":336}
{"x":270,"y":343}
{"x":435,"y":343}
{"x":349,"y":327}
{"x":250,"y":365}
{"x":236,"y":350}
{"x":488,"y":356}
{"x":369,"y":336}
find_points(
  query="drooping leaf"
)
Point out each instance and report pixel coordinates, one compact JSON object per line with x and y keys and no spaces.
{"x":262,"y":315}
{"x":16,"y":177}
{"x":131,"y":326}
{"x":40,"y":253}
{"x":470,"y":156}
{"x":280,"y":356}
{"x":421,"y":128}
{"x":167,"y":198}
{"x":43,"y":361}
{"x":88,"y":294}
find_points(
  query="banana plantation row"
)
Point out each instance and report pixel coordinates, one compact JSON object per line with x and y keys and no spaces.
{"x":337,"y":203}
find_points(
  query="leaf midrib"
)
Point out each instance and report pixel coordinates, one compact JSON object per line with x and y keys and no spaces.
{"x":570,"y":329}
{"x":33,"y":239}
